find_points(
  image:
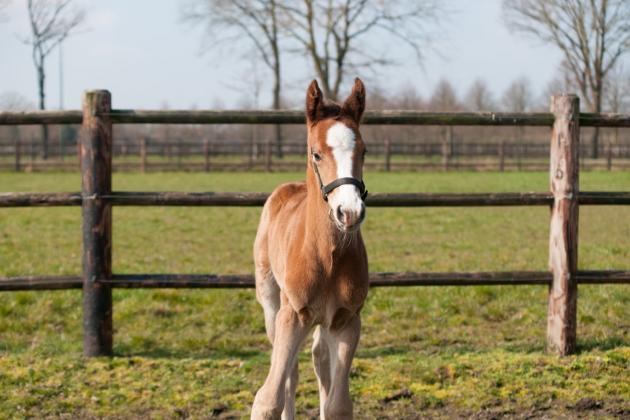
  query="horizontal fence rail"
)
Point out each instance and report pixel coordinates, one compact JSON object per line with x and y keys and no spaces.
{"x":214,"y":281}
{"x":253,"y":199}
{"x":385,"y":117}
{"x":96,"y":200}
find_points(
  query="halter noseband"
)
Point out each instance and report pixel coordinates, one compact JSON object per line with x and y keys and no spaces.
{"x":328,"y":188}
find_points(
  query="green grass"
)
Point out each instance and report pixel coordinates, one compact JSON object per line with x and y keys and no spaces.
{"x":460,"y":351}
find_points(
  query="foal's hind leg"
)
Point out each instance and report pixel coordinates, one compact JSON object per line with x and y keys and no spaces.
{"x":267,"y":290}
{"x":268,"y":295}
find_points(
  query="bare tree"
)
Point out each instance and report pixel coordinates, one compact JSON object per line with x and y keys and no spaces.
{"x":444,"y":97}
{"x":479,"y":97}
{"x":13,"y":101}
{"x":3,"y":5}
{"x":592,"y":35}
{"x":617,"y":99}
{"x":333,"y":33}
{"x":562,"y":82}
{"x":617,"y":91}
{"x":51,"y":22}
{"x":518,"y":97}
{"x":257,"y":21}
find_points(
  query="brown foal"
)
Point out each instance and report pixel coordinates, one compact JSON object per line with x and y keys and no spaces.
{"x":311,"y":263}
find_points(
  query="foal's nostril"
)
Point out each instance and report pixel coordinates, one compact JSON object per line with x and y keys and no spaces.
{"x":339,"y":214}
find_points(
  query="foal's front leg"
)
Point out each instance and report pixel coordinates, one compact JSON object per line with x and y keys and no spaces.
{"x":321,"y":362}
{"x":291,"y":329}
{"x":342,"y":345}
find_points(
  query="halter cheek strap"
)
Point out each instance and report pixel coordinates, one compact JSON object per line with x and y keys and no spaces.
{"x":328,"y":188}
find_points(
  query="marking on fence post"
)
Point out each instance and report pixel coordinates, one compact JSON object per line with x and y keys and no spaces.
{"x":563,"y":231}
{"x":96,"y":176}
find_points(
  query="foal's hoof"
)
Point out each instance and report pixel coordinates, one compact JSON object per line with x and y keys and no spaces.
{"x":262,"y":410}
{"x":263,"y":413}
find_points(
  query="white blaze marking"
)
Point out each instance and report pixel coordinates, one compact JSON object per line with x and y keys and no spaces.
{"x":341,"y":140}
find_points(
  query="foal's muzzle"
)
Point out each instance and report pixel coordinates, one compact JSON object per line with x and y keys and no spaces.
{"x":349,"y":219}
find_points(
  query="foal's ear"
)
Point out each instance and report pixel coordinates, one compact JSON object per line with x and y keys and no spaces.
{"x":355,"y":104}
{"x":314,"y":101}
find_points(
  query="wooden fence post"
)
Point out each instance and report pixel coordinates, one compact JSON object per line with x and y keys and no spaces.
{"x":609,"y":153}
{"x":206,"y":155}
{"x":519,"y":147}
{"x":268,"y":154}
{"x":388,"y":154}
{"x":447,"y":142}
{"x":502,"y":155}
{"x":96,"y":176}
{"x":563,"y":232}
{"x":18,"y":149}
{"x":253,"y":139}
{"x":143,"y":154}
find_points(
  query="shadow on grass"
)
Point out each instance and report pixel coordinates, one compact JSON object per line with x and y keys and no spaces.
{"x":172,"y":353}
{"x":609,"y":343}
{"x":583,"y":346}
{"x":374,"y":352}
{"x":159,"y":352}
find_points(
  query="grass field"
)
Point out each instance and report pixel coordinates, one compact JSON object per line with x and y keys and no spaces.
{"x":434,"y":352}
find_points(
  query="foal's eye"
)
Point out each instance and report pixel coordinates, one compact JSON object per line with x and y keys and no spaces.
{"x":317,"y":157}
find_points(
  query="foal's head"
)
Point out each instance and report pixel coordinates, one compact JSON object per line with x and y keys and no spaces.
{"x":336,"y":153}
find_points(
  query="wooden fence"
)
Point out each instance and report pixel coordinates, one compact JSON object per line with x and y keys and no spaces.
{"x":97,"y":198}
{"x":206,"y":154}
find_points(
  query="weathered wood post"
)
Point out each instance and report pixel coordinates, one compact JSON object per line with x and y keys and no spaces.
{"x":502,"y":155}
{"x":253,"y":140}
{"x":96,"y":175}
{"x":519,"y":147}
{"x":206,"y":155}
{"x":388,"y":155}
{"x":447,"y":144}
{"x":268,"y":154}
{"x":609,"y":150}
{"x":143,"y":154}
{"x":31,"y":148}
{"x":563,"y":232}
{"x":179,"y":153}
{"x":18,"y":148}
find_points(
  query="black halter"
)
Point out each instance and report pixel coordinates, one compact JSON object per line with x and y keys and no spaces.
{"x":328,"y":188}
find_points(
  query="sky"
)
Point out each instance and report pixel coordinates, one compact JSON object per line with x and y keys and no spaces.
{"x":148,"y":58}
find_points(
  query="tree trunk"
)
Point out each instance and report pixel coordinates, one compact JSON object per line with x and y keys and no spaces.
{"x":276,"y":105}
{"x":276,"y":77}
{"x":597,"y":108}
{"x":41,"y":78}
{"x":595,"y":143}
